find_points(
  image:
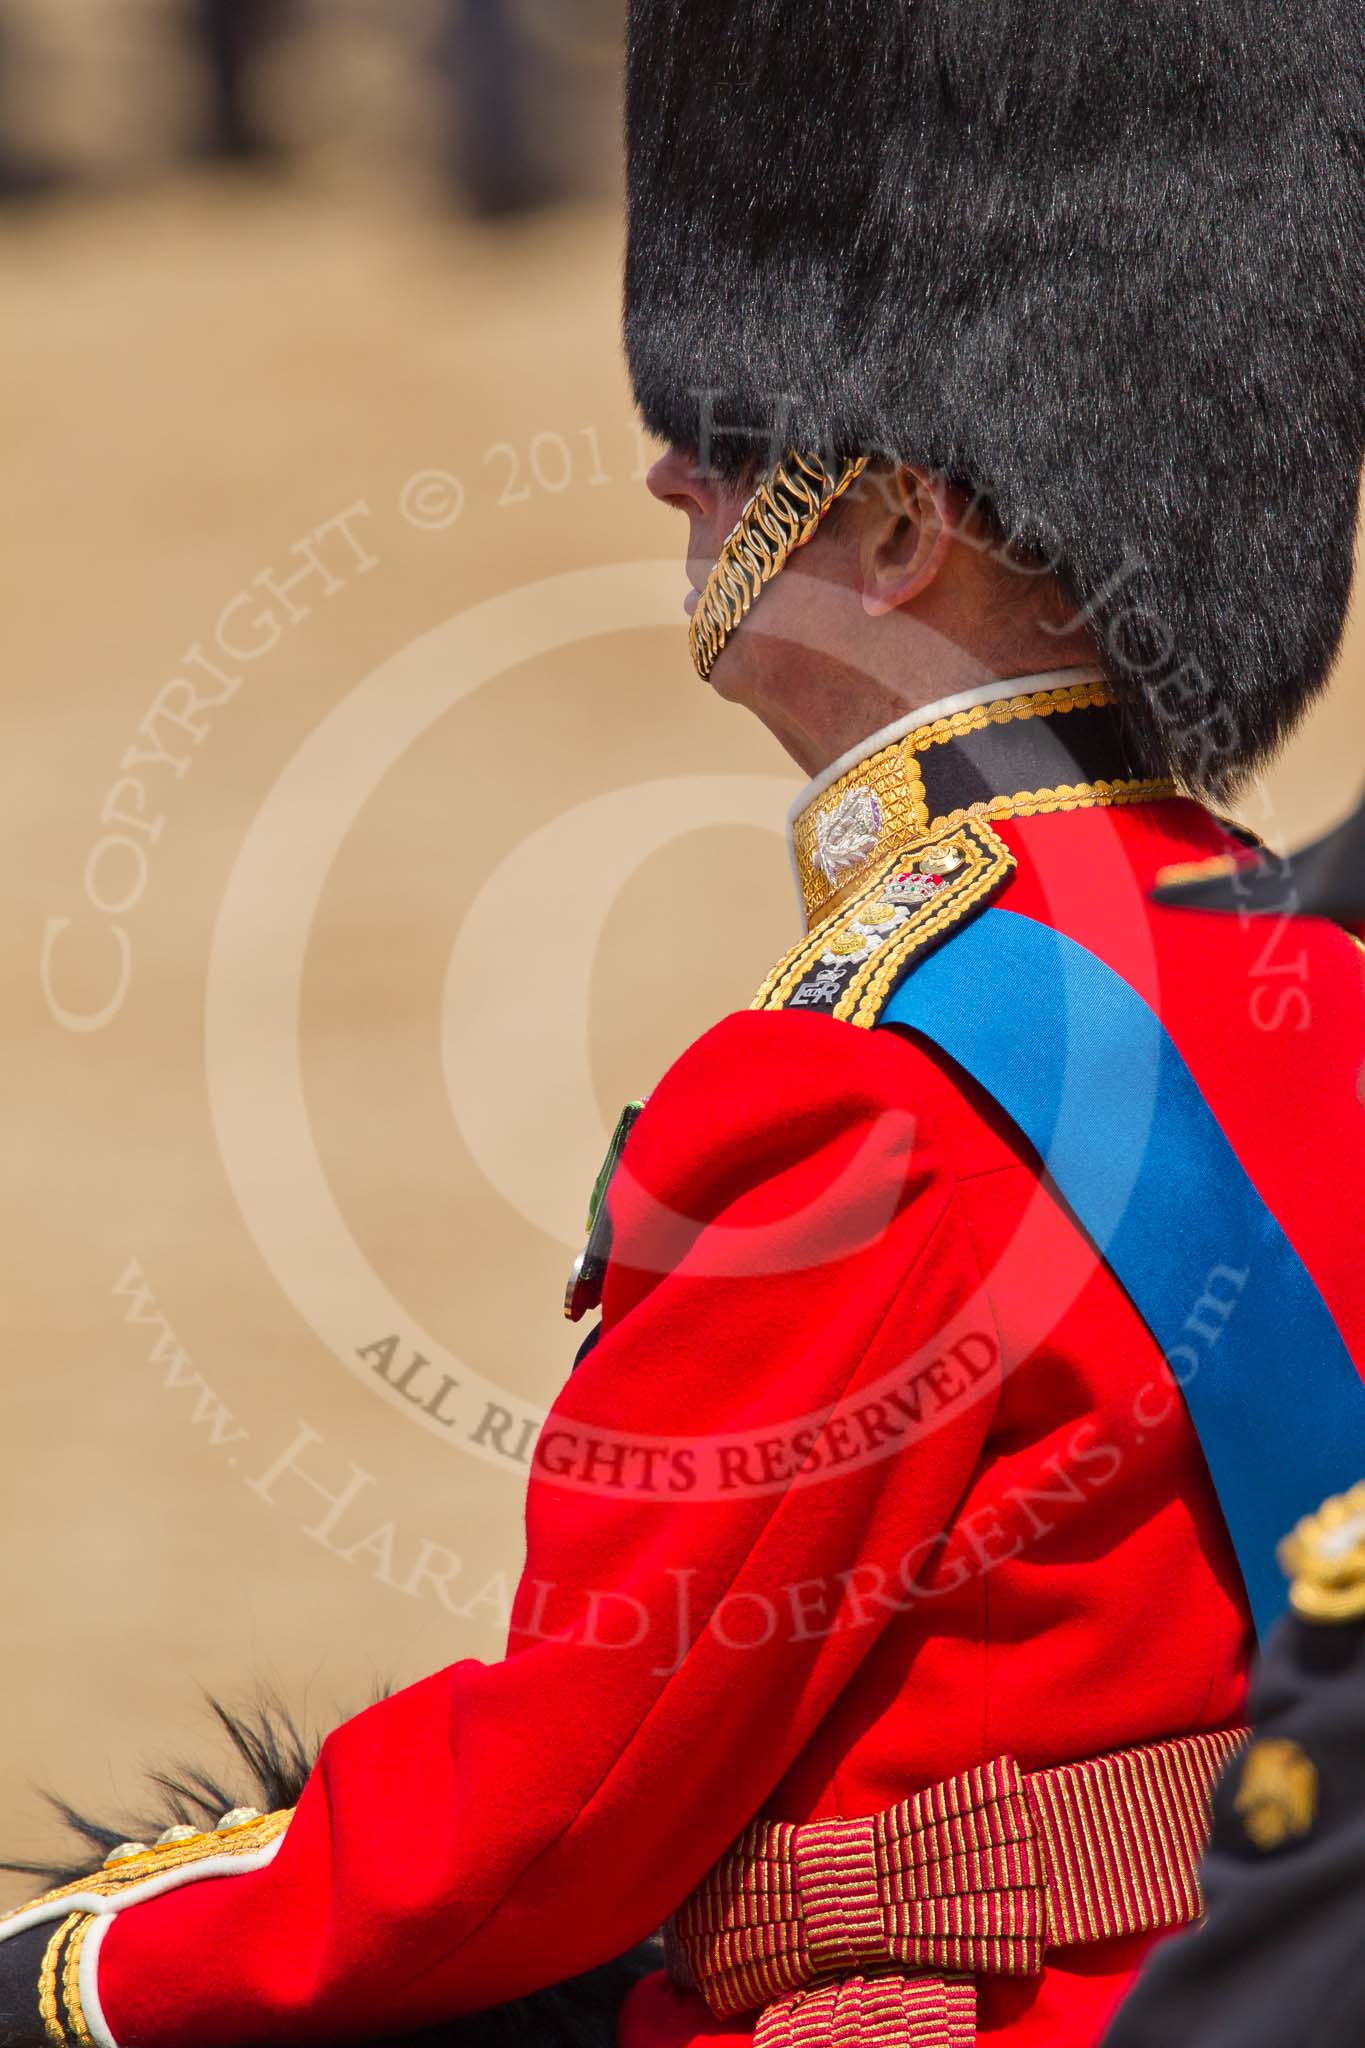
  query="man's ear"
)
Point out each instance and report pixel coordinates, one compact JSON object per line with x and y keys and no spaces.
{"x":912,"y":517}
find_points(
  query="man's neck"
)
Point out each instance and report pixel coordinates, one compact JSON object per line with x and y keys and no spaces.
{"x":945,"y":706}
{"x":836,"y":707}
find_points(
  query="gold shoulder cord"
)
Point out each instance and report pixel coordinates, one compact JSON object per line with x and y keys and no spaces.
{"x":783,"y":514}
{"x":59,"y":1994}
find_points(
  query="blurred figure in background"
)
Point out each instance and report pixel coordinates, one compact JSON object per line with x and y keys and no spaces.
{"x":22,"y":176}
{"x":496,"y":95}
{"x":231,"y":37}
{"x":517,"y":87}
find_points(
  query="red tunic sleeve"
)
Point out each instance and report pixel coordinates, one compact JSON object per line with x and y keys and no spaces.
{"x":715,"y":1539}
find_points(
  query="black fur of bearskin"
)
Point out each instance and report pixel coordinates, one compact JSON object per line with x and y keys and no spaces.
{"x":1100,"y":261}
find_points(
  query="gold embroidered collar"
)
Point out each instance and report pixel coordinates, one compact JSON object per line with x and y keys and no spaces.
{"x":1053,"y":749}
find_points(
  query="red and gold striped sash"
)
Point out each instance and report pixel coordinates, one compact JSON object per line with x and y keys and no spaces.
{"x":874,"y":1931}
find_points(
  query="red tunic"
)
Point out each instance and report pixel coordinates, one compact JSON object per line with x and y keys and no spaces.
{"x":1004,"y":1540}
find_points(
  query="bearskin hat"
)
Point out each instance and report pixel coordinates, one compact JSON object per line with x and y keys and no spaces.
{"x":1101,"y":262}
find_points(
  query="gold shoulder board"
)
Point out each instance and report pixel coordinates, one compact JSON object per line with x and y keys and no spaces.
{"x":850,"y":964}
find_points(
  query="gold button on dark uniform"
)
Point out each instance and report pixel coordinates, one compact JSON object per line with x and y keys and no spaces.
{"x":1277,"y":1793}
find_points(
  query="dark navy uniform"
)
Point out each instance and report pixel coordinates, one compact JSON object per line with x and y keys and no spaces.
{"x":1280,"y":1955}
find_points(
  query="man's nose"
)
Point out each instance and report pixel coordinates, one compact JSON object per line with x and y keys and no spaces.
{"x":674,"y":480}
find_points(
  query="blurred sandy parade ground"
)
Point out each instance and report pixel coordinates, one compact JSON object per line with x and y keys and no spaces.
{"x":370,"y":841}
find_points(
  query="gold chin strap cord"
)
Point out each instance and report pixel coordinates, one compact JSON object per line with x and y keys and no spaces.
{"x":784,"y":513}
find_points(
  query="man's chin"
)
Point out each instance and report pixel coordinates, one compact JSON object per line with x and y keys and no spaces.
{"x":731,"y":681}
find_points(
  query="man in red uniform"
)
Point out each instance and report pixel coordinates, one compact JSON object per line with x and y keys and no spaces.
{"x":969,"y":1313}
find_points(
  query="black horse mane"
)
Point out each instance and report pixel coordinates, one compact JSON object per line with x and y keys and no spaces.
{"x":271,"y":1759}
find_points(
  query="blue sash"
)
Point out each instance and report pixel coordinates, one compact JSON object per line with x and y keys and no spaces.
{"x":1089,"y":1074}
